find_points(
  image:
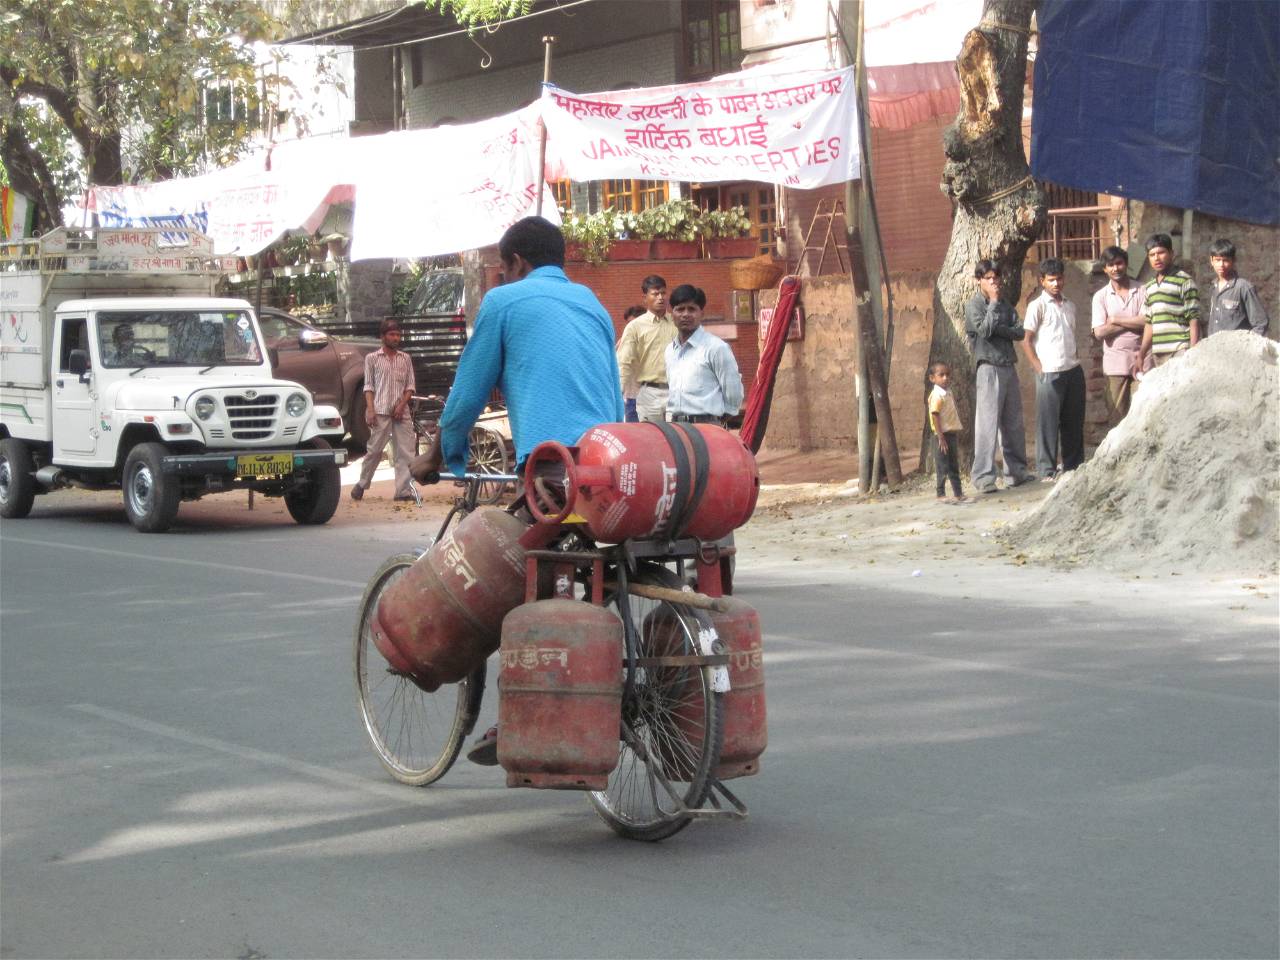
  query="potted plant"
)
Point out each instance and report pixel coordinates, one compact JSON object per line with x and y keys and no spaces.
{"x":630,"y":242}
{"x":337,"y":244}
{"x":291,"y":250}
{"x":587,"y":236}
{"x":674,"y":227}
{"x":728,"y":233}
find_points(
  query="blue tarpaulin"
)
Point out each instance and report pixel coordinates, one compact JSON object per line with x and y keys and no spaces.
{"x":1170,"y":101}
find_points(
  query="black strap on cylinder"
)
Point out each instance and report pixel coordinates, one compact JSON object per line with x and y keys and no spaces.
{"x":675,"y":517}
{"x":701,"y":472}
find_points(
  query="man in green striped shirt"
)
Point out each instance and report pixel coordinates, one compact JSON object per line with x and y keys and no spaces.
{"x":1172,"y":307}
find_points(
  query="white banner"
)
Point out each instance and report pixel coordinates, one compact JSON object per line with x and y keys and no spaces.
{"x":427,"y":192}
{"x":794,"y":129}
{"x":243,"y":209}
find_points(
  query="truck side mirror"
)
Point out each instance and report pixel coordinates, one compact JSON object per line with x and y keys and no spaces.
{"x":312,"y":339}
{"x":78,"y":363}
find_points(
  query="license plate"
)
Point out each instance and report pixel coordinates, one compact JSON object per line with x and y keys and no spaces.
{"x":264,"y":464}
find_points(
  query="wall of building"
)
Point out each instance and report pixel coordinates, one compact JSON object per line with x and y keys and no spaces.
{"x":646,"y":52}
{"x":815,"y":402}
{"x":915,"y":216}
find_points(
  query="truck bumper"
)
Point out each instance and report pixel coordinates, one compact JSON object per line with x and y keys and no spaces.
{"x":224,"y":464}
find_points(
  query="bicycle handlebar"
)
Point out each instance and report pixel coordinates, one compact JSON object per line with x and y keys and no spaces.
{"x":495,"y":477}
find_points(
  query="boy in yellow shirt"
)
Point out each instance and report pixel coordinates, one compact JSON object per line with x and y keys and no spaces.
{"x":945,"y":421}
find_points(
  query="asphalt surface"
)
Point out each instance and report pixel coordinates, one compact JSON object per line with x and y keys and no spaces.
{"x":183,"y":774}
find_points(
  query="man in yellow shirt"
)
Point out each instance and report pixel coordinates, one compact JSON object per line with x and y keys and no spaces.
{"x":642,"y":352}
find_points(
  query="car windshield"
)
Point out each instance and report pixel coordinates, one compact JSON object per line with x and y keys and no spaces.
{"x":439,"y":291}
{"x":177,"y":338}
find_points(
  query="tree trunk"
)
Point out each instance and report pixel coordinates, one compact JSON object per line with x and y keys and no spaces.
{"x":30,"y":176}
{"x":105,"y":168}
{"x":999,"y":209}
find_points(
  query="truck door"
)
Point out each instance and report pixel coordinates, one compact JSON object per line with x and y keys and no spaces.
{"x":74,"y":432}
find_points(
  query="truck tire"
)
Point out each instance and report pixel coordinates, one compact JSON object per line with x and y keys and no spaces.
{"x":17,"y":479}
{"x":150,"y":498}
{"x":315,"y":501}
{"x":357,"y":427}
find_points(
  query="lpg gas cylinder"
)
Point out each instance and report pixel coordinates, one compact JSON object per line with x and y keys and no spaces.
{"x":743,"y":720}
{"x":657,"y":481}
{"x":443,"y":616}
{"x":559,"y":695}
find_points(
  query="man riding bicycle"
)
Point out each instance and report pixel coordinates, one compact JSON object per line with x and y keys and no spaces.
{"x":547,"y":344}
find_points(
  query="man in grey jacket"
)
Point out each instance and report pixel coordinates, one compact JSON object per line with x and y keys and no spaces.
{"x":992,"y":326}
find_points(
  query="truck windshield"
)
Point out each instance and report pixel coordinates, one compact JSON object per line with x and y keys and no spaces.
{"x":177,"y":338}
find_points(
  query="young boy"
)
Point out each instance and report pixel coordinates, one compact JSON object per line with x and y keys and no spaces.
{"x":945,"y":421}
{"x":1234,"y":304}
{"x":1050,"y":347}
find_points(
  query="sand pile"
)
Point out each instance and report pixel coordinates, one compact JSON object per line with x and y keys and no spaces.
{"x":1190,"y":479}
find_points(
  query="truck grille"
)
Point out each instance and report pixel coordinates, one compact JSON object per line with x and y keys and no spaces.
{"x":252,"y":419}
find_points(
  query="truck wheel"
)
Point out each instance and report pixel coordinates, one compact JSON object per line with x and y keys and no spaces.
{"x":150,"y":498}
{"x":358,"y":427}
{"x":316,"y":500}
{"x":17,"y":479}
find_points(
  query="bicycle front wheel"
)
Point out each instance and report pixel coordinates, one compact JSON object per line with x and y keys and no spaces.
{"x":671,"y":724}
{"x":417,"y":735}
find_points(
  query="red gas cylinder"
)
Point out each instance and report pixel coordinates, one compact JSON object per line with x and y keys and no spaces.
{"x":560,"y":695}
{"x":743,"y":711}
{"x":743,"y":720}
{"x":648,"y":481}
{"x":443,"y":616}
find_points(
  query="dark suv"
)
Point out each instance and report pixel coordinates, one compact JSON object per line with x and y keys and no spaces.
{"x":332,"y":369}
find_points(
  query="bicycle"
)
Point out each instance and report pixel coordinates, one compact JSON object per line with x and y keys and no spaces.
{"x":670,"y":733}
{"x":487,"y":449}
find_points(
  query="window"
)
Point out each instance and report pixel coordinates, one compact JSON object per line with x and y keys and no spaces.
{"x":761,"y":203}
{"x":712,"y":38}
{"x":75,"y":336}
{"x":563,"y":192}
{"x":415,"y":65}
{"x":633,"y":194}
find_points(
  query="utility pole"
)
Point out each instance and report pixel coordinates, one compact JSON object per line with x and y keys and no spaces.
{"x":864,"y":263}
{"x":548,"y":42}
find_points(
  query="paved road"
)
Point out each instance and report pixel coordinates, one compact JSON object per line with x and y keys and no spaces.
{"x":183,"y":774}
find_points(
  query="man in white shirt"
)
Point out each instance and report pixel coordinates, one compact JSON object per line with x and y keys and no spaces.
{"x":1050,"y":347}
{"x":704,"y":385}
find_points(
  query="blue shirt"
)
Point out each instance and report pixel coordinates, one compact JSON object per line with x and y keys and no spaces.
{"x":548,"y":344}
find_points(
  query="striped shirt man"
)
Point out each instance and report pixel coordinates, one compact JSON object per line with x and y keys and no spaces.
{"x":1172,"y":305}
{"x":388,"y":375}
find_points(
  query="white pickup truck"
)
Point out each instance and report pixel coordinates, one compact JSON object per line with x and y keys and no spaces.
{"x":119,"y":369}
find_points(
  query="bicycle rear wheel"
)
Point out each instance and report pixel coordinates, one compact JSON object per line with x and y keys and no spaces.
{"x":671,"y":724}
{"x":417,"y":735}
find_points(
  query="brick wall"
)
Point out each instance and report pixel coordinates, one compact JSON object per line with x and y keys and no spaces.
{"x":915,"y":216}
{"x":617,"y":285}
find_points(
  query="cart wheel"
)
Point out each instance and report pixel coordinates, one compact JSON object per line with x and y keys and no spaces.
{"x":488,"y":455}
{"x":676,"y":720}
{"x":417,"y":735}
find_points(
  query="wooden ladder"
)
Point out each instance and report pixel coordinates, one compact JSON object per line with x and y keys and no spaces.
{"x":828,"y":217}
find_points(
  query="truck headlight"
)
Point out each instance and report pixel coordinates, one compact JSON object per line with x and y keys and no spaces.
{"x":205,"y":406}
{"x":296,"y":405}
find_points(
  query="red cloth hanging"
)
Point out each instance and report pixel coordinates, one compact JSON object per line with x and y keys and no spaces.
{"x":756,"y":416}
